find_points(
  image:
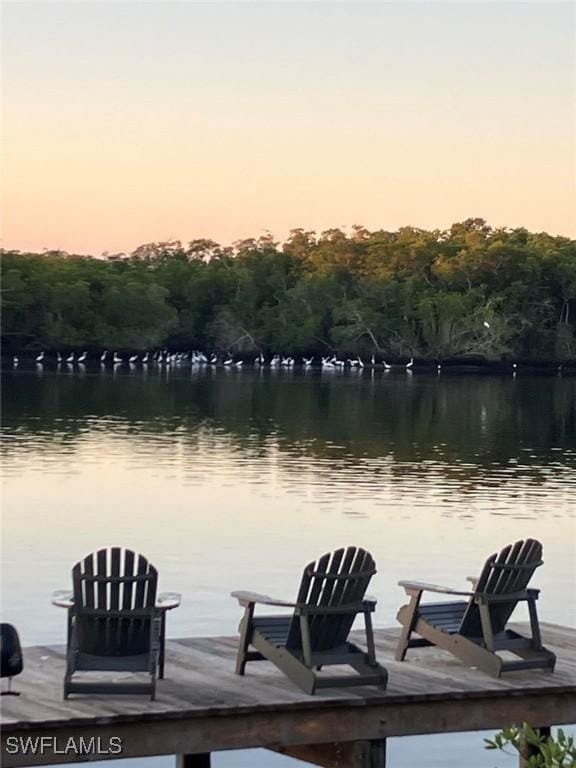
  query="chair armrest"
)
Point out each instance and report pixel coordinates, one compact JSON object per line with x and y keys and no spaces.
{"x":369,"y":599}
{"x":526,"y":594}
{"x":166,"y":601}
{"x":250,"y":598}
{"x":155,"y":633}
{"x":63,"y":598}
{"x":421,"y":586}
{"x":473,"y":580}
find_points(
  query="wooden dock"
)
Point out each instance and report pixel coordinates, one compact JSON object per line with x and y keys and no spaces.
{"x":203,"y":707}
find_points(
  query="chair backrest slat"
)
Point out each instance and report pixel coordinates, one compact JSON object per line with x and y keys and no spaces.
{"x":140,"y":591}
{"x":115,"y":554}
{"x":320,"y":625}
{"x":126,"y":631}
{"x":114,"y":572}
{"x":101,"y":586}
{"x":87,"y":568}
{"x":337,"y":579}
{"x":505,"y":573}
{"x":128,"y":586}
{"x":113,"y":604}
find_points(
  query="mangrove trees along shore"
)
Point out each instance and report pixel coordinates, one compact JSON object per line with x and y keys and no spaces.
{"x":469,"y":290}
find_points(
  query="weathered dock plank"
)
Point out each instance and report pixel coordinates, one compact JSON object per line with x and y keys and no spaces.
{"x":202,"y":706}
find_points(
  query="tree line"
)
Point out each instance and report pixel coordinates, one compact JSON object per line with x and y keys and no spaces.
{"x":471,"y":290}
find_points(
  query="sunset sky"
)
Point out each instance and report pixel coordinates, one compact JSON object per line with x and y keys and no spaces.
{"x":127,"y":122}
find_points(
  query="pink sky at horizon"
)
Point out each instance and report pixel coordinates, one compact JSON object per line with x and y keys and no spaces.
{"x":128,"y":123}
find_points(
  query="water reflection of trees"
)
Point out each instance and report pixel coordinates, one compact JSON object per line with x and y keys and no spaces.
{"x":464,"y":427}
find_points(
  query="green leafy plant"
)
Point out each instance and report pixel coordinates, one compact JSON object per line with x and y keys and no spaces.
{"x":558,"y":751}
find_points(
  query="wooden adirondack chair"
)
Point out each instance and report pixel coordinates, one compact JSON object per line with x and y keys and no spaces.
{"x":331,"y":594}
{"x":113,"y":622}
{"x":474,"y":630}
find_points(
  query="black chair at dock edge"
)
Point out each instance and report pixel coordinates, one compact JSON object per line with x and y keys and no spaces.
{"x":11,"y":661}
{"x":332,"y":593}
{"x":475,"y":630}
{"x":116,"y":623}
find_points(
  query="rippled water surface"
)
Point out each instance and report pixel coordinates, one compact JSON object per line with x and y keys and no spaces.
{"x":235,"y":479}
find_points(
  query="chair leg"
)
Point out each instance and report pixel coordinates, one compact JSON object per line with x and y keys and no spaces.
{"x":162,"y":645}
{"x":534,"y":625}
{"x":245,"y":637}
{"x":486,"y":623}
{"x":370,"y":638}
{"x":365,"y":666}
{"x":408,"y":626}
{"x":67,"y":681}
{"x":70,"y":666}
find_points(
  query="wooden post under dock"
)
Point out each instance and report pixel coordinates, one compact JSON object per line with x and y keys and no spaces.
{"x":203,"y":707}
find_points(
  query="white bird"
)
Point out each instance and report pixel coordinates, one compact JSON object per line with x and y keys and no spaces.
{"x":214,"y":360}
{"x":103,"y":356}
{"x":70,"y":358}
{"x":40,"y":357}
{"x":410,"y":364}
{"x":145,"y":358}
{"x":117,"y":359}
{"x":386,"y":365}
{"x":486,"y":324}
{"x":133,"y":358}
{"x":83,"y":357}
{"x":15,"y":361}
{"x":58,"y":358}
{"x":359,"y":362}
{"x":439,"y":368}
{"x":228,"y":362}
{"x":239,"y":363}
{"x":373,"y":360}
{"x":308,"y":361}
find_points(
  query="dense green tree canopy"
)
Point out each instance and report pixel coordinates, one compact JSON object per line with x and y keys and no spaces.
{"x":469,"y":290}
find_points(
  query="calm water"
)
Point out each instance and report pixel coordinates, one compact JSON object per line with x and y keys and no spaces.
{"x":235,"y":479}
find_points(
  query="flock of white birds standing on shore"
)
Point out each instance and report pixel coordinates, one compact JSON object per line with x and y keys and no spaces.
{"x":196,"y":358}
